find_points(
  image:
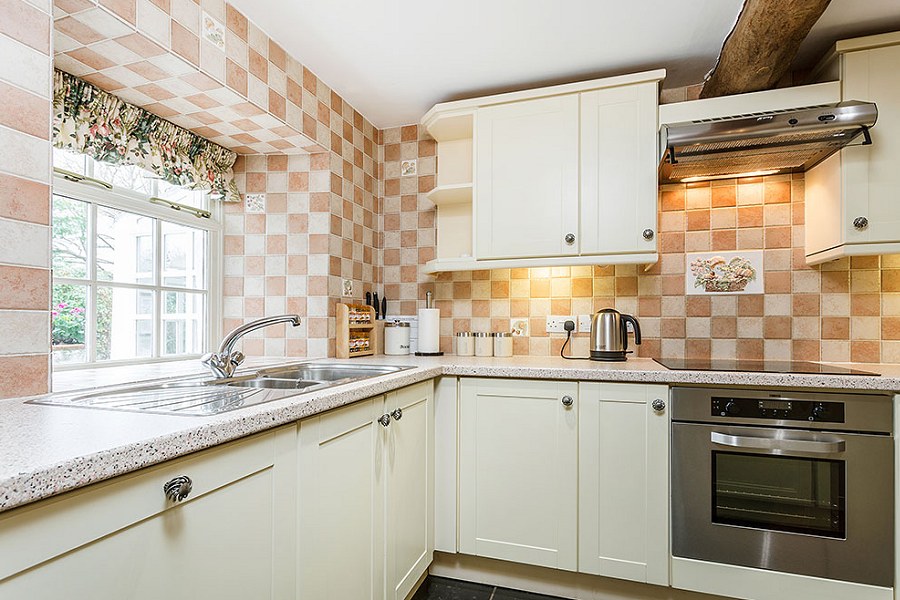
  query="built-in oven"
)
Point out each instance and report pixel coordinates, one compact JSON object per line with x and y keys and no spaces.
{"x":787,"y":481}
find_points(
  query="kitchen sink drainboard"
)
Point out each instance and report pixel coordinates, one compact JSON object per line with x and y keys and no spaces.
{"x":211,"y":397}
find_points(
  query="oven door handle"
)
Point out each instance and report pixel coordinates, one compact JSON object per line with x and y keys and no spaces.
{"x":776,"y":445}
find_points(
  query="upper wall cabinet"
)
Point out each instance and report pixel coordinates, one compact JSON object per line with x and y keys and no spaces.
{"x":852,"y":204}
{"x":556,"y":176}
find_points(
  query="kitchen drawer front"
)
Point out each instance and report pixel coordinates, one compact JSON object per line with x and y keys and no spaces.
{"x":34,"y":534}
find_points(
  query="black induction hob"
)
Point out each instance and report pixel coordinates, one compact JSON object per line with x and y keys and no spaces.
{"x":757,"y":366}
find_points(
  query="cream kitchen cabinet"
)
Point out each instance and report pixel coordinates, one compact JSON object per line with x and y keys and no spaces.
{"x":518,"y":471}
{"x":563,"y":175}
{"x":526,"y":173}
{"x":231,"y":537}
{"x":623,"y":449}
{"x":851,"y":198}
{"x":365,"y":501}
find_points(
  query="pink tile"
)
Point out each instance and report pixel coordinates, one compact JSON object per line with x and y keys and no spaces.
{"x":141,"y":45}
{"x":103,"y":82}
{"x":90,"y":58}
{"x":148,"y":70}
{"x":185,"y":43}
{"x":201,"y":81}
{"x":127,"y":9}
{"x":24,"y":200}
{"x":24,"y":375}
{"x":77,"y":30}
{"x":24,"y":23}
{"x":24,"y":288}
{"x":24,"y":112}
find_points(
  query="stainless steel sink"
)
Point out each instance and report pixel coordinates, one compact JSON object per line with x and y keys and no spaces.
{"x":214,"y":396}
{"x":326,"y":372}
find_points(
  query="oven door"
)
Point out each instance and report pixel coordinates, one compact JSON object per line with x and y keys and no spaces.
{"x":811,"y":503}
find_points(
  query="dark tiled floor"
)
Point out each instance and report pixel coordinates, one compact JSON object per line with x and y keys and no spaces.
{"x":440,"y":588}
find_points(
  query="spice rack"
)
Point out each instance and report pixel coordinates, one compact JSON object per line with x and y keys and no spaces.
{"x":357,"y":331}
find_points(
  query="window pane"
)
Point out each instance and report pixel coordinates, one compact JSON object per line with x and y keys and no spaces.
{"x":129,"y":177}
{"x":195,"y":198}
{"x":69,"y":161}
{"x":68,"y":323}
{"x":124,"y":323}
{"x":124,"y":246}
{"x":70,"y":237}
{"x":184,"y":253}
{"x":183,"y":323}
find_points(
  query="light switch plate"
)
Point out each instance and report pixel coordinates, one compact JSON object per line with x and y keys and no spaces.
{"x":584,"y":323}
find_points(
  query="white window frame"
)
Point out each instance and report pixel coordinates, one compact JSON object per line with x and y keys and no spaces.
{"x":133,"y":202}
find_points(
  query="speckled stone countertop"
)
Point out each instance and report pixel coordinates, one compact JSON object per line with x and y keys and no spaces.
{"x":47,"y":450}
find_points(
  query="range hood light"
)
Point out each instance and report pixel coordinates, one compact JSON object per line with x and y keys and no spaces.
{"x":729,"y":176}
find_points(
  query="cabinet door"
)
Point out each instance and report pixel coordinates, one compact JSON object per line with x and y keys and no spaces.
{"x":618,"y":169}
{"x":518,"y":461}
{"x":341,"y":509}
{"x":232,"y":538}
{"x":526,"y":178}
{"x":624,"y":482}
{"x":871,"y":176}
{"x":409,"y":506}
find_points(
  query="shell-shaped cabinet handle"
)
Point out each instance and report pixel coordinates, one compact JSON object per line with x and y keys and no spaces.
{"x":178,"y":488}
{"x":648,"y":234}
{"x":397,"y":414}
{"x":860,"y":223}
{"x":658,"y":405}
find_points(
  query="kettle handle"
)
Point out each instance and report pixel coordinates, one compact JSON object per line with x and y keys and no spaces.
{"x":637,"y":330}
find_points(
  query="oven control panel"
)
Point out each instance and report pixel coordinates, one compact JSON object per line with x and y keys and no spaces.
{"x":777,"y":409}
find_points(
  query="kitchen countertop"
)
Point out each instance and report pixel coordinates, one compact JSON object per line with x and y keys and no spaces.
{"x":47,"y":450}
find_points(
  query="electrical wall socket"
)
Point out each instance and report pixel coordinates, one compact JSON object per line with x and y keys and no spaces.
{"x":555,"y":323}
{"x":584,"y":323}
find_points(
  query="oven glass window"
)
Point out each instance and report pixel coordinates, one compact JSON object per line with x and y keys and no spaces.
{"x":781,"y":493}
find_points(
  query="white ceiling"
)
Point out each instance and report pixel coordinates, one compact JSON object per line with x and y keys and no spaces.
{"x":845,"y":19}
{"x":393,"y":59}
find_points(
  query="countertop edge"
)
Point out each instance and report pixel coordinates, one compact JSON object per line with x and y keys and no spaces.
{"x":44,"y":481}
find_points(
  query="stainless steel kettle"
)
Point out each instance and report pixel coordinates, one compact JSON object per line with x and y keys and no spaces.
{"x":609,"y":334}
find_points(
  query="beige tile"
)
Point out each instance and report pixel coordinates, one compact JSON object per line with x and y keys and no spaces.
{"x":31,"y":331}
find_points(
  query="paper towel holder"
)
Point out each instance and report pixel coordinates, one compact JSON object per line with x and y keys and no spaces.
{"x":429,"y":303}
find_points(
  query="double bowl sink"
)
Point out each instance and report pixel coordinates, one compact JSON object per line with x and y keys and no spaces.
{"x":215,"y":396}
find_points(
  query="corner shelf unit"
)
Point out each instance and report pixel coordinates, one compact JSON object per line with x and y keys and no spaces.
{"x":453,"y":131}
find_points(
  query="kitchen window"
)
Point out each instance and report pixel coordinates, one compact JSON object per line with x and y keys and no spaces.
{"x":134,"y":281}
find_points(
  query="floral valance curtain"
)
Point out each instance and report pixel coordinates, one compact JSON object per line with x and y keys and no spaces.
{"x":90,"y":121}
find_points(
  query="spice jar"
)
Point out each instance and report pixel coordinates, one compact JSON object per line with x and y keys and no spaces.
{"x":465,"y":344}
{"x":484,"y":343}
{"x":503,"y":344}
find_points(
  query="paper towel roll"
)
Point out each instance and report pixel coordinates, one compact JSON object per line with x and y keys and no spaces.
{"x":429,"y":330}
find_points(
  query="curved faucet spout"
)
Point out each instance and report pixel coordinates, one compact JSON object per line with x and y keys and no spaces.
{"x":224,"y":362}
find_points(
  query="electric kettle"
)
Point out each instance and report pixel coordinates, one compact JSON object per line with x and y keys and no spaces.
{"x":609,"y":334}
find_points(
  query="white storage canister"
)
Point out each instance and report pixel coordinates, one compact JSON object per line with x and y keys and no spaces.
{"x":396,"y":338}
{"x":503,"y":344}
{"x":484,"y":343}
{"x":465,"y":344}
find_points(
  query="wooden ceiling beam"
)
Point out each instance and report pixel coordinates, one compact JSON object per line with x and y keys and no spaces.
{"x":760,"y":49}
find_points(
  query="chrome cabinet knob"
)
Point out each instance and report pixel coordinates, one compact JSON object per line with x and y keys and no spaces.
{"x":397,"y":414}
{"x":860,"y":223}
{"x":385,"y":420}
{"x":570,"y":238}
{"x":647,"y":234}
{"x":568,"y":401}
{"x":178,"y":488}
{"x":659,"y":405}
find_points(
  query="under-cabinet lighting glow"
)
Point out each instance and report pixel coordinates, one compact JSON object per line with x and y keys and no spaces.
{"x":730,"y":176}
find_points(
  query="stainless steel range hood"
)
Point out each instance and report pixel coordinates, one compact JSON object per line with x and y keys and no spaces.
{"x":762,"y":143}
